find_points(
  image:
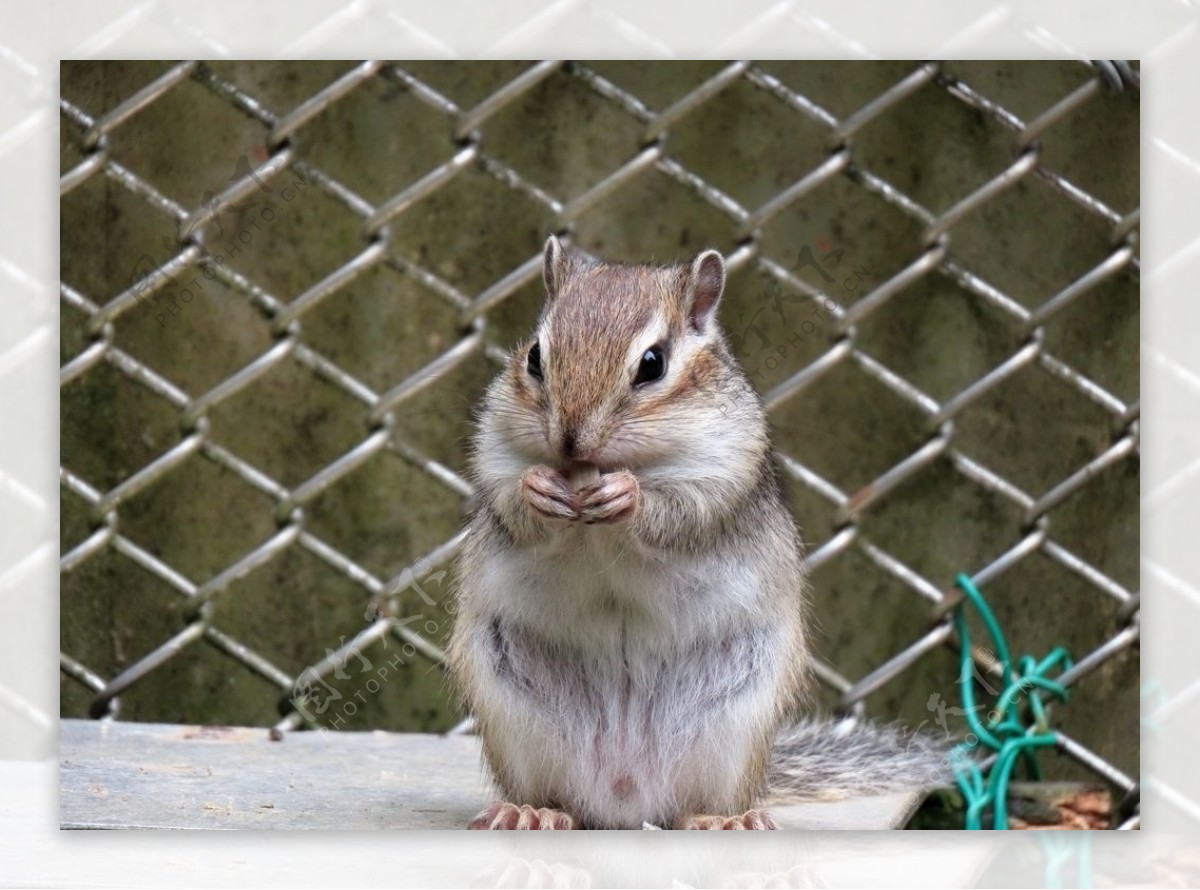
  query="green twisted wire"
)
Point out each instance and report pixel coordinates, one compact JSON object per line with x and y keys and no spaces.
{"x":1004,"y":732}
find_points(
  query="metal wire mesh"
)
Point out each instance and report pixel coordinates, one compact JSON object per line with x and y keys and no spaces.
{"x":810,"y":312}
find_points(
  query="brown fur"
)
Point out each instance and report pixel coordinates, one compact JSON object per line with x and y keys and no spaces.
{"x":637,"y":668}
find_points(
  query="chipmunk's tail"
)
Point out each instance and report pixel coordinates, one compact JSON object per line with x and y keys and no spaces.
{"x":827,"y":759}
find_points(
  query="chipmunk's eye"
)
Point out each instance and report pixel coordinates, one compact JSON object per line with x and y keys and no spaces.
{"x":534,"y":364}
{"x":652,"y":366}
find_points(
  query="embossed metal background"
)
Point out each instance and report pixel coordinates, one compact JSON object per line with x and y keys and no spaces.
{"x":285,"y":285}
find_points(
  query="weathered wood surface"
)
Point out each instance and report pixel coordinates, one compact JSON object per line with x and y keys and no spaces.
{"x":129,"y":775}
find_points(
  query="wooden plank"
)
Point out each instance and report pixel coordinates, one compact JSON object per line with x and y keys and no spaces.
{"x":127,"y":775}
{"x":138,"y":775}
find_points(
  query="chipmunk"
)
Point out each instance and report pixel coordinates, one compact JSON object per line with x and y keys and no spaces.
{"x":631,"y":604}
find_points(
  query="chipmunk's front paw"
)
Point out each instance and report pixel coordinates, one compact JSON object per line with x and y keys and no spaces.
{"x":613,"y":497}
{"x":547,"y":492}
{"x":501,"y":816}
{"x":753,"y":820}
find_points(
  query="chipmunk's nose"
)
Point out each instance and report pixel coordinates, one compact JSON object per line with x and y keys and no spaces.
{"x":570,"y":444}
{"x":575,"y":438}
{"x":576,"y":445}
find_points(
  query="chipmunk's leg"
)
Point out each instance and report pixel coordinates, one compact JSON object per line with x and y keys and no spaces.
{"x":501,"y":816}
{"x":755,"y":820}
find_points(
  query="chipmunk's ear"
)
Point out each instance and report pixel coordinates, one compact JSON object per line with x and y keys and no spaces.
{"x":554,"y":266}
{"x":705,"y":284}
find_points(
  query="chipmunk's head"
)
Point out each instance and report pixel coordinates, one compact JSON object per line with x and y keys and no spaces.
{"x":627,"y":366}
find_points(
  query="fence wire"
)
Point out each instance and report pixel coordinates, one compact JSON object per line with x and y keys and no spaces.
{"x":204,"y":249}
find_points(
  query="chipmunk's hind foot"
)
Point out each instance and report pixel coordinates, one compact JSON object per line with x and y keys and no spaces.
{"x":501,"y":816}
{"x":751,"y":820}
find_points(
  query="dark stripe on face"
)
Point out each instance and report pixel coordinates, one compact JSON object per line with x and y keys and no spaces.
{"x":599,"y":314}
{"x":702,"y":377}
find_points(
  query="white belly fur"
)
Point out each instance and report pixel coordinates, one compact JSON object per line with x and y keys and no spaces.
{"x":657,"y":710}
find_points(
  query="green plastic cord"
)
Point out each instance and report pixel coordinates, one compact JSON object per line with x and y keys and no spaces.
{"x":1004,"y":732}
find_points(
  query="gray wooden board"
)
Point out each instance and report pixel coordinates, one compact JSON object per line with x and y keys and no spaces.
{"x":140,"y":775}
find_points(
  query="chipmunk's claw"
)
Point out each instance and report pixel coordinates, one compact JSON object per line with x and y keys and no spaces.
{"x":501,"y":816}
{"x":751,"y":820}
{"x":546,"y":491}
{"x":611,"y":498}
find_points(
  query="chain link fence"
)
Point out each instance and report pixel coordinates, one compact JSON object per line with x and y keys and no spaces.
{"x":285,"y":285}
